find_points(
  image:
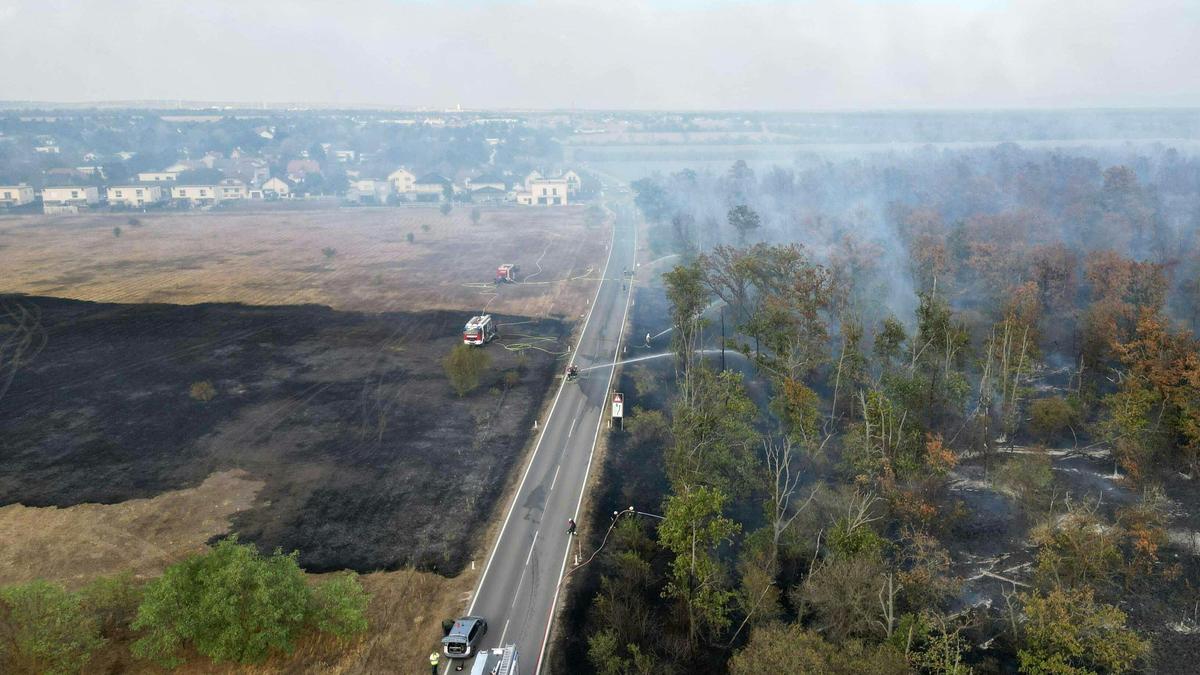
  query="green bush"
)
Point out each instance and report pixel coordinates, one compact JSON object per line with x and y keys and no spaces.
{"x":1068,"y":633}
{"x":1051,"y":418}
{"x":51,"y":631}
{"x":780,"y":648}
{"x":230,"y":604}
{"x":113,"y":601}
{"x":1029,"y":477}
{"x":339,"y":606}
{"x":464,"y":367}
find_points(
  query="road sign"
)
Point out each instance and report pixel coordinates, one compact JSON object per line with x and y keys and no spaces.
{"x":618,"y":405}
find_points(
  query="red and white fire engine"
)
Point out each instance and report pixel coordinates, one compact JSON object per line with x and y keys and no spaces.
{"x":479,"y":330}
{"x":506,"y":273}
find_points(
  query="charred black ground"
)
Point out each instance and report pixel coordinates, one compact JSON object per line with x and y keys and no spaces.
{"x":370,"y":459}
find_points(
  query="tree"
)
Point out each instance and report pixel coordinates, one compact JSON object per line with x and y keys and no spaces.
{"x":476,"y":215}
{"x":52,"y":631}
{"x":445,"y":208}
{"x":789,"y":648}
{"x":230,"y":604}
{"x":692,"y":530}
{"x":116,"y":231}
{"x":465,"y":366}
{"x":743,"y":219}
{"x":329,"y":252}
{"x":1067,"y":632}
{"x":202,"y":391}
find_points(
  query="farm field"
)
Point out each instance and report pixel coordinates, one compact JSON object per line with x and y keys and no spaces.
{"x":353,"y":259}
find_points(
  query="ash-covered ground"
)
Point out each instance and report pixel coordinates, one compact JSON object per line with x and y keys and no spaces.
{"x":370,"y":460}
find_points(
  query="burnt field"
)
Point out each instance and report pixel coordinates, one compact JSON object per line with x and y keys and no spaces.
{"x":369,"y":459}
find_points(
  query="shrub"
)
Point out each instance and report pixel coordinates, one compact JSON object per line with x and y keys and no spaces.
{"x":113,"y":601}
{"x":425,"y":227}
{"x":410,"y":237}
{"x":844,"y":594}
{"x":1051,"y":417}
{"x":464,"y":367}
{"x":329,"y":252}
{"x":445,"y":208}
{"x":134,"y":221}
{"x":230,"y":604}
{"x":1029,"y":477}
{"x":51,"y":630}
{"x":339,"y":606}
{"x":780,"y":648}
{"x":202,"y":391}
{"x":1067,"y":632}
{"x":116,"y":231}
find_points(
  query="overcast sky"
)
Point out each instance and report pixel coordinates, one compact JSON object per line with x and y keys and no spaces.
{"x":664,"y":54}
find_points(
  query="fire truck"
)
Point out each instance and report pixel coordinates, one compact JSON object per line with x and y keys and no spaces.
{"x":479,"y":330}
{"x":496,"y":661}
{"x":506,"y":273}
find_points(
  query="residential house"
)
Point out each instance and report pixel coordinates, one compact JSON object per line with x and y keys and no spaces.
{"x":135,"y":196}
{"x":231,"y":188}
{"x":487,"y":181}
{"x":545,"y":192}
{"x":528,"y":182}
{"x":574,"y":182}
{"x":158,"y":176}
{"x":297,"y":169}
{"x":432,"y":187}
{"x":343,"y":156}
{"x":195,"y":195}
{"x":489,"y":194}
{"x":15,"y":195}
{"x":369,"y":191}
{"x":77,"y":195}
{"x":91,"y":171}
{"x":276,"y":188}
{"x":402,"y":181}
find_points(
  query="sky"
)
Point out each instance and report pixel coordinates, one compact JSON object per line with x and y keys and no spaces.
{"x":608,"y":54}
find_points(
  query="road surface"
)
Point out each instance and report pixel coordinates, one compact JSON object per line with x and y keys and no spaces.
{"x":519,"y":588}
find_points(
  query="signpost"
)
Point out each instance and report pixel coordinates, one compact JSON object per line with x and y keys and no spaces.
{"x":618,"y":408}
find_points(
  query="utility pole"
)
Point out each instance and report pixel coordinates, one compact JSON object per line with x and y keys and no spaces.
{"x":722,"y":338}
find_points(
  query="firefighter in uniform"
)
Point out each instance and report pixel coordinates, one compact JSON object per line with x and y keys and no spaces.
{"x":433,"y":663}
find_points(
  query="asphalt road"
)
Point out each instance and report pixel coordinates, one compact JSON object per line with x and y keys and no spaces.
{"x":519,"y":587}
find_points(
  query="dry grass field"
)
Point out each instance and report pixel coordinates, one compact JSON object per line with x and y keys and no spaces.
{"x":276,"y":257}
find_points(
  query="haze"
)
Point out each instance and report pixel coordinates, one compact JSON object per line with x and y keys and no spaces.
{"x":613,"y":55}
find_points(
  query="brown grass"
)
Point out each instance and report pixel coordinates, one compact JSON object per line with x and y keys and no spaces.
{"x":74,"y":545}
{"x":275,"y":257}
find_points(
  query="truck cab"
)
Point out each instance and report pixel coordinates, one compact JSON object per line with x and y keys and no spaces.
{"x":464,"y":637}
{"x":479,"y":330}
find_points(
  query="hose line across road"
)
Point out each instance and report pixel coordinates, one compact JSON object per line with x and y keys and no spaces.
{"x":520,"y":585}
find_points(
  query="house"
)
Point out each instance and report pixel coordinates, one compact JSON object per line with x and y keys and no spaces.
{"x":15,"y":195}
{"x":70,"y":196}
{"x":343,"y":156}
{"x":487,"y":181}
{"x":231,"y":188}
{"x":489,"y":195}
{"x":574,"y":182}
{"x":157,"y":176}
{"x":196,"y":195}
{"x":528,"y":182}
{"x":297,"y":169}
{"x":545,"y":192}
{"x":369,"y":191}
{"x":136,"y":195}
{"x":432,"y":187}
{"x":276,"y":188}
{"x":402,"y":181}
{"x":91,"y":171}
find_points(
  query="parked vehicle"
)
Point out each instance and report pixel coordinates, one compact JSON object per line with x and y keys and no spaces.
{"x":479,"y":330}
{"x":464,"y":637}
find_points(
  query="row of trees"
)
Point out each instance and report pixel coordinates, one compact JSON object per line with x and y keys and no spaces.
{"x":231,"y":604}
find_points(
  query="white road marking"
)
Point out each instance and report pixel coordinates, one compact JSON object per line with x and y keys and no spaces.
{"x":579,"y":503}
{"x":530,"y":556}
{"x":504,"y":632}
{"x":562,"y":385}
{"x":555,"y":477}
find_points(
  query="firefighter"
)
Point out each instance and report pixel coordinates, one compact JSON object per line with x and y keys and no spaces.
{"x":433,"y":663}
{"x":572,"y":371}
{"x":570,"y":526}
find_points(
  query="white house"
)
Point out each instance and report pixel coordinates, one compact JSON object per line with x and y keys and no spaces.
{"x":196,"y":195}
{"x":545,"y":192}
{"x":432,"y":187}
{"x":70,"y":196}
{"x":533,"y":175}
{"x":135,"y":195}
{"x":15,"y":195}
{"x":231,"y":188}
{"x":402,"y":181}
{"x":276,"y":188}
{"x":574,"y":182}
{"x":157,"y":176}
